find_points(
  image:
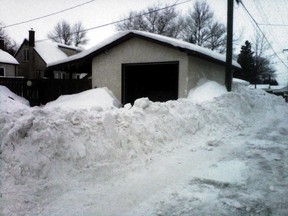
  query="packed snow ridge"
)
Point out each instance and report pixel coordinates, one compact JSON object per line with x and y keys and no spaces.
{"x":212,"y":153}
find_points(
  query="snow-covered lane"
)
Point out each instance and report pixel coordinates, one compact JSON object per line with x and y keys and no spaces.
{"x":150,"y":181}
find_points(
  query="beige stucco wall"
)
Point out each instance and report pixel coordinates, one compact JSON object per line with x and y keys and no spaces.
{"x":9,"y":69}
{"x":107,"y":67}
{"x":203,"y":69}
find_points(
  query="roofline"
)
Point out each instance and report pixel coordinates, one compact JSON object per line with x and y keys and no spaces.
{"x":20,"y":47}
{"x":9,"y":63}
{"x":69,"y":47}
{"x":132,"y":34}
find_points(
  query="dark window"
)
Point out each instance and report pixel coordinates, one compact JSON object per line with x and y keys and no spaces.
{"x":26,"y":55}
{"x":2,"y":72}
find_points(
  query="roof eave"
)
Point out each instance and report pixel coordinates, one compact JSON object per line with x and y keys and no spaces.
{"x":132,"y":34}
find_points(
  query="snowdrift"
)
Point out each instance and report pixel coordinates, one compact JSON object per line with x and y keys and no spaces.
{"x":11,"y":102}
{"x":43,"y":147}
{"x":98,"y":99}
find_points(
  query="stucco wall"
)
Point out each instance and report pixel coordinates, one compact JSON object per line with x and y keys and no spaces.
{"x":107,"y":67}
{"x":200,"y":68}
{"x":9,"y":69}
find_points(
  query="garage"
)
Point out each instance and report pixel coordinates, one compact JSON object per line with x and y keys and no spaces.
{"x":158,"y":81}
{"x":134,"y":64}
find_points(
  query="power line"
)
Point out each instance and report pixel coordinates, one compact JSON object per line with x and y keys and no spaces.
{"x":263,"y":34}
{"x":48,"y":15}
{"x":273,"y":24}
{"x":115,"y":22}
{"x":122,"y":20}
{"x":265,"y":18}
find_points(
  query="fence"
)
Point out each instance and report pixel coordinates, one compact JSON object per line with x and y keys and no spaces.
{"x":41,"y":91}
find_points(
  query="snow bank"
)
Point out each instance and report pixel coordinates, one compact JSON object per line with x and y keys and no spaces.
{"x":99,"y":99}
{"x":47,"y":152}
{"x":206,"y":91}
{"x":10,"y":102}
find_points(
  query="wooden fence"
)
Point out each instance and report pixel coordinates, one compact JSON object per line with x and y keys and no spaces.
{"x":41,"y":91}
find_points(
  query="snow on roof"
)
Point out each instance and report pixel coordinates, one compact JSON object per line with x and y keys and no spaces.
{"x":164,"y":39}
{"x":70,"y":47}
{"x":49,"y":51}
{"x":5,"y":57}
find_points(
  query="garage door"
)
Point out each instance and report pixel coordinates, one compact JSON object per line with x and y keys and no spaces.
{"x":157,"y":81}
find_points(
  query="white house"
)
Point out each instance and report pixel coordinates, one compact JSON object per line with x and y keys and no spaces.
{"x":134,"y":64}
{"x":8,"y":64}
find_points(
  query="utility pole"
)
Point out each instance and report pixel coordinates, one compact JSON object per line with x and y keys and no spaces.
{"x":229,"y":48}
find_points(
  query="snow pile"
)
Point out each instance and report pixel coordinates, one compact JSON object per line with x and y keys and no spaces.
{"x":206,"y":92}
{"x":173,"y":158}
{"x":10,"y":102}
{"x":99,"y":99}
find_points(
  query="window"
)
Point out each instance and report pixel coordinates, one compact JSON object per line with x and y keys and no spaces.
{"x":2,"y":72}
{"x":26,"y":55}
{"x":63,"y":76}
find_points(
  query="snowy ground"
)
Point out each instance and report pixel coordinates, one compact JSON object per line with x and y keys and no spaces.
{"x":205,"y":155}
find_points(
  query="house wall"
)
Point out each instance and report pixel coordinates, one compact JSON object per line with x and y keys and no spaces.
{"x":203,"y":69}
{"x":34,"y":67}
{"x":9,"y":69}
{"x":107,"y":67}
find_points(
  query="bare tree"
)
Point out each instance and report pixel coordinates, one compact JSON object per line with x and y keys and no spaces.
{"x":263,"y":66}
{"x":64,"y":33}
{"x":202,"y":29}
{"x":9,"y":44}
{"x":79,"y":34}
{"x":154,"y":19}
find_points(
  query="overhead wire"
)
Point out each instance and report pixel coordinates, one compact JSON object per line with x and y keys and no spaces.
{"x":273,"y":24}
{"x":258,"y":27}
{"x":122,"y":20}
{"x":48,"y":15}
{"x":265,"y":19}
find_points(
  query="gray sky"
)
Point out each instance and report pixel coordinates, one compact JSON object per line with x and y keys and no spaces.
{"x":100,"y":12}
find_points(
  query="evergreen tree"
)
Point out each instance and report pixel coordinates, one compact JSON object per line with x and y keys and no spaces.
{"x":246,"y":60}
{"x":255,"y":68}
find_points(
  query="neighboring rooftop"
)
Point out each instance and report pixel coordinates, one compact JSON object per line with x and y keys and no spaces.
{"x":49,"y":51}
{"x":6,"y":58}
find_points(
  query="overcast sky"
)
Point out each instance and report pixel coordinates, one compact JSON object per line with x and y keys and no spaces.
{"x":99,"y":12}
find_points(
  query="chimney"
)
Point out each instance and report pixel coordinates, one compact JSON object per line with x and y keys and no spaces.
{"x":31,"y":38}
{"x":2,"y":44}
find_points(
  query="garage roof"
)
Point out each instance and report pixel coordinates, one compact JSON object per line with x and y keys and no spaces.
{"x":119,"y":37}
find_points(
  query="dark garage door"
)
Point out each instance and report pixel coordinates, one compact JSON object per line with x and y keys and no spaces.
{"x":157,"y":81}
